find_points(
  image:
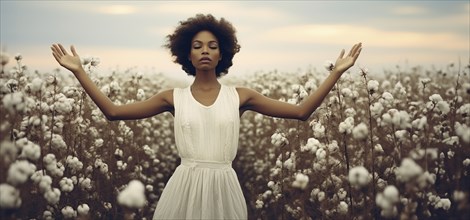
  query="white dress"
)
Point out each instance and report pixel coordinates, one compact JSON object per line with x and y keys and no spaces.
{"x":204,"y":185}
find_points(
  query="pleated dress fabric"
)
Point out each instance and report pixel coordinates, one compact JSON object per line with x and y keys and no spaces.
{"x":204,"y":185}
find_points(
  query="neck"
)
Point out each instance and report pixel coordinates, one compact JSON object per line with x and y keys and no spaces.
{"x":206,"y":80}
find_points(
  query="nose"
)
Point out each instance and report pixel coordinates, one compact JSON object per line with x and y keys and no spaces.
{"x":205,"y":50}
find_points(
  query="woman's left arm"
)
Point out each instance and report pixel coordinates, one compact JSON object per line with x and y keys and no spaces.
{"x":254,"y":101}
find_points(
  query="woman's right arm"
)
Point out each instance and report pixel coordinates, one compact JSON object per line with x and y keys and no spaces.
{"x":157,"y":104}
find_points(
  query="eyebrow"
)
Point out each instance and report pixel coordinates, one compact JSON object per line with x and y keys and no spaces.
{"x":212,"y":41}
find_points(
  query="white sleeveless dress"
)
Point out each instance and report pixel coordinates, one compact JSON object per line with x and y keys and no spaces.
{"x":204,"y":185}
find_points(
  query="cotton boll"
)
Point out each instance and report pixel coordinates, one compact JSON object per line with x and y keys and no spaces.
{"x":350,"y":112}
{"x":9,"y":197}
{"x":31,"y":151}
{"x":66,"y":184}
{"x":321,"y":196}
{"x":47,"y":215}
{"x":83,"y":209}
{"x":372,"y":86}
{"x":435,"y":98}
{"x":419,"y":123}
{"x":133,"y":196}
{"x":359,"y":176}
{"x":376,"y":109}
{"x":301,"y":181}
{"x":69,"y":212}
{"x":408,"y":170}
{"x":346,"y":126}
{"x":342,"y":208}
{"x":360,"y":131}
{"x":342,"y":193}
{"x":443,"y":204}
{"x":321,"y":154}
{"x":259,"y":204}
{"x":8,"y":152}
{"x":20,"y":171}
{"x":45,"y":184}
{"x":85,"y":183}
{"x":391,"y":194}
{"x":52,"y":196}
{"x":318,"y":130}
{"x":463,"y":131}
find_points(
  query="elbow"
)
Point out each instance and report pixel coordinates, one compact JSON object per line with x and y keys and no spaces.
{"x":304,"y":116}
{"x":111,"y":116}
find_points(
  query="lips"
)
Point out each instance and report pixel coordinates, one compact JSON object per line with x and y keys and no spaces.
{"x":205,"y":59}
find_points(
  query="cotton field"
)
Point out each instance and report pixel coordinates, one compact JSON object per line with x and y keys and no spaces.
{"x":389,"y":145}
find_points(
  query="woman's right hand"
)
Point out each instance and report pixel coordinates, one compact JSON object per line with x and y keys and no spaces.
{"x":70,"y":62}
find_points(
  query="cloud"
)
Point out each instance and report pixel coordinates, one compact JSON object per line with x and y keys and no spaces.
{"x":338,"y":34}
{"x":117,"y":9}
{"x":409,"y":10}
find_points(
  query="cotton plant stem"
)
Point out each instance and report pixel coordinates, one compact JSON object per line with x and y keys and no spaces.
{"x":371,"y":142}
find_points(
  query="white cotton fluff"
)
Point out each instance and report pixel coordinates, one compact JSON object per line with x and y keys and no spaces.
{"x":346,"y":126}
{"x":279,"y":139}
{"x":133,"y":196}
{"x":321,"y":196}
{"x":140,"y":94}
{"x":83,"y":209}
{"x":386,"y":99}
{"x":342,"y":208}
{"x":342,"y":193}
{"x":464,"y":110}
{"x":359,"y":176}
{"x":20,"y":171}
{"x":408,"y":170}
{"x":52,"y":196}
{"x":259,"y":204}
{"x":321,"y":154}
{"x":360,"y":131}
{"x":14,"y":102}
{"x":66,"y":184}
{"x":466,"y":162}
{"x":376,"y":109}
{"x":463,"y":131}
{"x":372,"y":86}
{"x":350,"y":112}
{"x":391,"y":194}
{"x":85,"y":183}
{"x":443,"y":204}
{"x":74,"y":164}
{"x":31,"y":151}
{"x":9,"y":197}
{"x":69,"y":212}
{"x":419,"y":123}
{"x":435,"y":98}
{"x":401,"y":135}
{"x":45,"y":184}
{"x":8,"y":151}
{"x":311,"y":146}
{"x":318,"y":130}
{"x":329,"y":65}
{"x":36,"y":85}
{"x":301,"y":181}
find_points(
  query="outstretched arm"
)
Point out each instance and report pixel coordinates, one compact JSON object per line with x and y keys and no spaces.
{"x":157,"y":104}
{"x":252,"y":100}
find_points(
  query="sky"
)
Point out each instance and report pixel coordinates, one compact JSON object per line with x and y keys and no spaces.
{"x":286,"y":36}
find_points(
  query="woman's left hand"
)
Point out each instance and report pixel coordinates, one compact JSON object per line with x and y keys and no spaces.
{"x":344,"y":63}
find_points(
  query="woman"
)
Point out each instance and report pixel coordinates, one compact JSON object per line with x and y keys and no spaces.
{"x":207,"y":117}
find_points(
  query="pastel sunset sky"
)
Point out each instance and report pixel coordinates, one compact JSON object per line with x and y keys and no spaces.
{"x":282,"y":35}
